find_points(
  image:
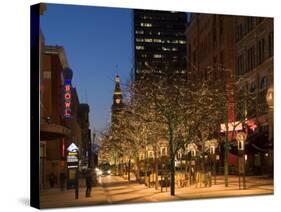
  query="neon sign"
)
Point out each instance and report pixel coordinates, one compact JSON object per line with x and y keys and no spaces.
{"x":67,"y":98}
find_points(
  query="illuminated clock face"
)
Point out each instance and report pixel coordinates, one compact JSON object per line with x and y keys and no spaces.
{"x":117,"y":101}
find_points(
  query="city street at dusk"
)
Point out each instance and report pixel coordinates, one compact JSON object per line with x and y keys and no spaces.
{"x":148,"y":106}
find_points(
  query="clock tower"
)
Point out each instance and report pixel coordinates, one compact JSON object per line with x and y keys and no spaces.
{"x":117,"y":105}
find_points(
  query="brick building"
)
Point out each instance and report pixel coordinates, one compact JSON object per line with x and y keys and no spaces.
{"x":210,"y":48}
{"x":52,"y":126}
{"x":254,"y":64}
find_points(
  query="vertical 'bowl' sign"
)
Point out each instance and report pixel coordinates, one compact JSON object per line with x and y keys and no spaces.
{"x":67,"y":74}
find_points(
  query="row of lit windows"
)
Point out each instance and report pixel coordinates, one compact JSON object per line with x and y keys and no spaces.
{"x":141,"y":32}
{"x":163,"y":48}
{"x":158,"y":71}
{"x":169,"y":49}
{"x":146,"y":24}
{"x":158,"y":56}
{"x":150,"y":40}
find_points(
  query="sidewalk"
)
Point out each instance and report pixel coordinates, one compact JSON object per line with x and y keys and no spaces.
{"x":57,"y":198}
{"x":114,"y":190}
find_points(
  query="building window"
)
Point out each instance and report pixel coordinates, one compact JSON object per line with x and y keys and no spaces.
{"x":221,"y":25}
{"x":139,"y":32}
{"x":250,"y":58}
{"x":139,"y":39}
{"x":146,"y":24}
{"x":263,"y":83}
{"x":270,"y":44}
{"x":182,"y":41}
{"x":206,"y":75}
{"x":222,"y":57}
{"x":252,"y":87}
{"x":189,"y":55}
{"x":239,"y":32}
{"x":249,"y":24}
{"x":215,"y":61}
{"x":240,"y":64}
{"x":139,"y":47}
{"x":157,"y":55}
{"x":260,"y":55}
{"x":157,"y":40}
{"x":259,"y":20}
{"x":194,"y":57}
{"x":148,"y":40}
{"x":165,"y":49}
{"x":214,"y":29}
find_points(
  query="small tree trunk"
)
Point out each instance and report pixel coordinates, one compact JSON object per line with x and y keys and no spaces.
{"x":172,"y":161}
{"x":156,"y":173}
{"x":129,"y":170}
{"x":172,"y":164}
{"x":145,"y":170}
{"x":189,"y":171}
{"x":137,"y":169}
{"x":226,"y":149}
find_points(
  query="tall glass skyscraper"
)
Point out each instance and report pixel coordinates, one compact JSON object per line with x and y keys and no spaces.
{"x":160,"y":43}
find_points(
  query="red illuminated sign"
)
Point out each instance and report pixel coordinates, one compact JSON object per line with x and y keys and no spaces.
{"x":67,"y":99}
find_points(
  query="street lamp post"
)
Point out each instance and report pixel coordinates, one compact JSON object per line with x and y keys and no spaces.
{"x":192,"y":148}
{"x":213,"y":160}
{"x":216,"y":159}
{"x":241,"y":138}
{"x":270,"y":103}
{"x":162,"y":153}
{"x":212,"y":145}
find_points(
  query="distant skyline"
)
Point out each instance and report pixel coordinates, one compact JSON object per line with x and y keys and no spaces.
{"x":98,"y":45}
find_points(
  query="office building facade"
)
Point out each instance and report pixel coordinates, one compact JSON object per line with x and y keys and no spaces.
{"x":159,"y":43}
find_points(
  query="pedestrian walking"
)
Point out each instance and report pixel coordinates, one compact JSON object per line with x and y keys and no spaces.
{"x":62,"y":180}
{"x":52,"y":180}
{"x":89,"y":183}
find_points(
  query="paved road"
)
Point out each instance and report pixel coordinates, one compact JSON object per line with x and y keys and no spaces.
{"x":114,"y":190}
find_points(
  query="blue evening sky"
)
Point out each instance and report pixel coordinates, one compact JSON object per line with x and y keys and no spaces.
{"x":98,"y":45}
